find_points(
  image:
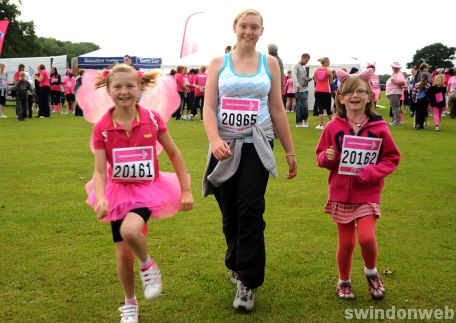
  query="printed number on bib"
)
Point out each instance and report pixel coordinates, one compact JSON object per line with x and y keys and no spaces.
{"x":238,"y":114}
{"x":357,"y":153}
{"x":133,"y":164}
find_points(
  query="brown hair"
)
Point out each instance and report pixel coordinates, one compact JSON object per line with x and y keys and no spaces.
{"x":423,"y":66}
{"x":423,"y":81}
{"x":148,"y":79}
{"x":348,"y":85}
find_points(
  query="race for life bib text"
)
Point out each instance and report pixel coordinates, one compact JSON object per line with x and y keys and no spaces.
{"x":238,"y":114}
{"x":133,"y":164}
{"x":357,"y":153}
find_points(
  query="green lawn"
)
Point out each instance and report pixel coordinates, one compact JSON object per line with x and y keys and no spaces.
{"x":58,"y":265}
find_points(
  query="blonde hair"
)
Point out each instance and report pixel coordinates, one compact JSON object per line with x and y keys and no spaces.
{"x":323,"y":60}
{"x":247,"y":12}
{"x":147,"y":80}
{"x":349,"y":85}
{"x":439,"y":80}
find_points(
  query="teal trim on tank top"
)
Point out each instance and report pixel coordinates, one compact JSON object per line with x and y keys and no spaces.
{"x":228,"y":61}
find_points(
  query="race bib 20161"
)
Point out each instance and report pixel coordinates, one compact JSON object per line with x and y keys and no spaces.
{"x":133,"y":164}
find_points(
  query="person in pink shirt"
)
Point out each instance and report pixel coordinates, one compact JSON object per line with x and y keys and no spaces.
{"x":451,"y":92}
{"x":323,"y":79}
{"x":354,"y":196}
{"x":68,"y":85}
{"x":56,"y":83}
{"x":191,"y":110}
{"x":290,"y":105}
{"x":45,"y":89}
{"x":126,"y":190}
{"x":181,"y":89}
{"x":394,"y":91}
{"x":375,"y":83}
{"x":199,"y":83}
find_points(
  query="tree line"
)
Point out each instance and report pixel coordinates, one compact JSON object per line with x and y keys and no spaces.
{"x":21,"y":40}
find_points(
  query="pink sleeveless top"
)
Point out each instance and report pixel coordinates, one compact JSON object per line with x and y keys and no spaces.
{"x":322,"y":78}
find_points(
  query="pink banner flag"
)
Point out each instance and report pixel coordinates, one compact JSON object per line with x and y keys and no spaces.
{"x":3,"y":27}
{"x":191,"y":31}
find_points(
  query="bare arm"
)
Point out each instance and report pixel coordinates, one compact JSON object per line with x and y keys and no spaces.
{"x":220,"y":148}
{"x":279,"y":118}
{"x":99,"y":181}
{"x":177,"y":160}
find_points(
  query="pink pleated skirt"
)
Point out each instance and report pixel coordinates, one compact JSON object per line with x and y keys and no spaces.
{"x":346,"y":212}
{"x":161,"y":197}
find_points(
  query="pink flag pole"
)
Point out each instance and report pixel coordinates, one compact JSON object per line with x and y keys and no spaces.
{"x":3,"y":28}
{"x":185,"y":31}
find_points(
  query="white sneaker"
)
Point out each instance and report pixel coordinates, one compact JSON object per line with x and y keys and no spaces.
{"x":305,"y":124}
{"x":321,"y":127}
{"x":437,"y":128}
{"x":129,"y":313}
{"x":245,"y":298}
{"x":233,"y":277}
{"x":3,"y":116}
{"x":299,"y":125}
{"x":152,"y":283}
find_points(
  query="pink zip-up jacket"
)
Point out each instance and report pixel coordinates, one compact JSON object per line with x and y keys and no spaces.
{"x":68,"y":84}
{"x":368,"y":186}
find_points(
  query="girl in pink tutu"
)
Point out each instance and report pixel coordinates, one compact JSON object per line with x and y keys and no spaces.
{"x":128,"y":187}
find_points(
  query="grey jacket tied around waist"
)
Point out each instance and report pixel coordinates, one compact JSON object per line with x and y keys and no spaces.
{"x":262,"y":134}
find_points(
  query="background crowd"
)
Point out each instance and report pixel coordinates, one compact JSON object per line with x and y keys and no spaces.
{"x":421,"y":93}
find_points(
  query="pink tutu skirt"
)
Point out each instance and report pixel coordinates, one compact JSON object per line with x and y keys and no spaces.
{"x":161,"y":197}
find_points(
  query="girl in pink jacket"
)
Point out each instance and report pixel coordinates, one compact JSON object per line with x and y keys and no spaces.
{"x":357,"y":147}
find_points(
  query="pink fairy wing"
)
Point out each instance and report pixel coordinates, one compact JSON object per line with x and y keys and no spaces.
{"x":163,"y":98}
{"x":93,"y":102}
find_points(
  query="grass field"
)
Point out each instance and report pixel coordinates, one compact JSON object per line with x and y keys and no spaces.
{"x":58,"y":265}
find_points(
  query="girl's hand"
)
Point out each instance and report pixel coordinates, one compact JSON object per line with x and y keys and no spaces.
{"x":220,"y":149}
{"x":186,"y":201}
{"x":292,"y":166}
{"x":330,"y":153}
{"x":101,"y":208}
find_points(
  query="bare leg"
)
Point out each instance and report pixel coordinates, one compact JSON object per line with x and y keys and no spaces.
{"x":131,"y":232}
{"x":125,"y":264}
{"x":322,"y":119}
